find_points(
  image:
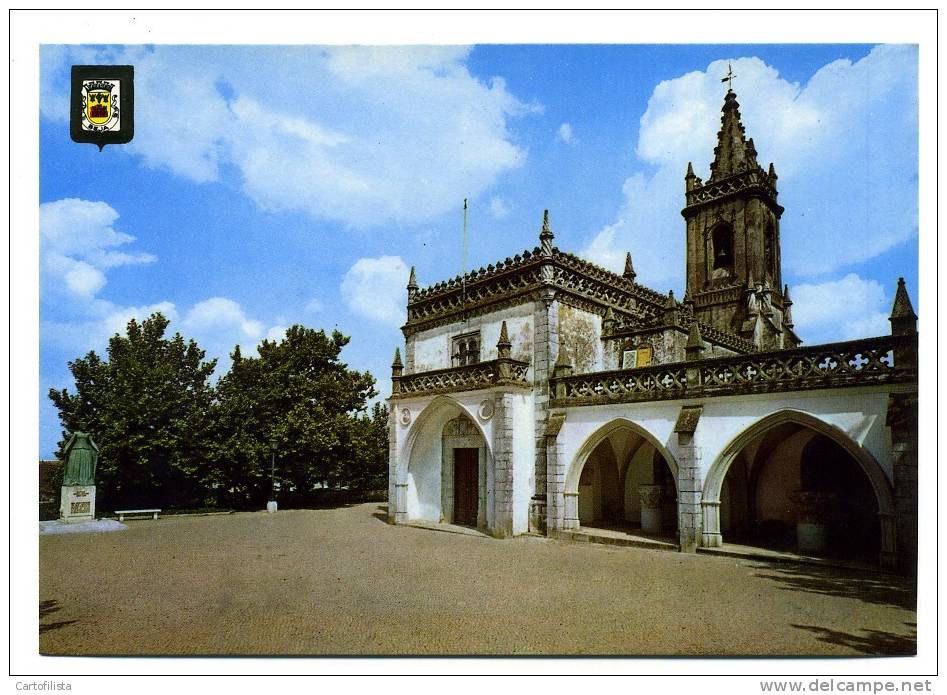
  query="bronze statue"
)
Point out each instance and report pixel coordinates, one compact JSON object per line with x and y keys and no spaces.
{"x":81,"y":455}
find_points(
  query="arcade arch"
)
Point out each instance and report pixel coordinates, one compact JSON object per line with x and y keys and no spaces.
{"x":622,"y":477}
{"x":794,"y":482}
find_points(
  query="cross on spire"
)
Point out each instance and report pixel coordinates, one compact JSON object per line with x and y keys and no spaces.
{"x":729,"y":77}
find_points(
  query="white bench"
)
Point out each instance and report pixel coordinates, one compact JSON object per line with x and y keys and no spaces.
{"x":122,"y":512}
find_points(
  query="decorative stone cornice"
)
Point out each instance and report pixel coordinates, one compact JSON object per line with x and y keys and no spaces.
{"x":750,"y":182}
{"x":488,"y":288}
{"x":472,"y":377}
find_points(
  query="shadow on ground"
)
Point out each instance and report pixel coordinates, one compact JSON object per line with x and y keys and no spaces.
{"x":381,"y":513}
{"x":871,"y":587}
{"x":876,"y":642}
{"x":47,"y":608}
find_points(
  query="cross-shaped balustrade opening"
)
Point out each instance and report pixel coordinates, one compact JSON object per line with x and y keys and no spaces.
{"x":859,"y":361}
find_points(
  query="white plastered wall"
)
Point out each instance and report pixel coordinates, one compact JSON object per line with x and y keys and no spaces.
{"x":432,"y":347}
{"x":858,"y":413}
{"x":524,"y":459}
{"x":419,"y":426}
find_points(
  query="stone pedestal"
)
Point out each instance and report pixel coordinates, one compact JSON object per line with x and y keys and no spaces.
{"x":77,"y":503}
{"x":651,"y":507}
{"x":811,"y":537}
{"x":811,"y":527}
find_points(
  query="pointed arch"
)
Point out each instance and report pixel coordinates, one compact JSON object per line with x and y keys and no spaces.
{"x":713,"y":481}
{"x":571,"y":511}
{"x":435,"y":414}
{"x":599,"y":436}
{"x":425,"y":467}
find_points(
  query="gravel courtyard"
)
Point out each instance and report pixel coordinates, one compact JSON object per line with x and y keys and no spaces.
{"x":342,"y":581}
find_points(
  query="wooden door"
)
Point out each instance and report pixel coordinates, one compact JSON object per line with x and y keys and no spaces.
{"x":465,"y":486}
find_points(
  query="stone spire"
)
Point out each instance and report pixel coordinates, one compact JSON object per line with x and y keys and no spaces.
{"x":690,"y":178}
{"x":563,"y":366}
{"x":546,"y":235}
{"x":397,"y":368}
{"x":695,"y":342}
{"x":671,"y":309}
{"x":787,"y":307}
{"x":629,"y":273}
{"x":503,"y":344}
{"x":733,"y":153}
{"x":412,"y":284}
{"x":903,"y":319}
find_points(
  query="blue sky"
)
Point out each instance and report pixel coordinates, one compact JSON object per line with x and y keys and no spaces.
{"x":272,"y":186}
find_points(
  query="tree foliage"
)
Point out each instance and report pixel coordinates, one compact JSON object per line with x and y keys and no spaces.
{"x":167,"y":437}
{"x":147,"y":408}
{"x":299,"y":393}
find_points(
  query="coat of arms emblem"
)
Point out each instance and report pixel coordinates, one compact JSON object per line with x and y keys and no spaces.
{"x":102,"y":104}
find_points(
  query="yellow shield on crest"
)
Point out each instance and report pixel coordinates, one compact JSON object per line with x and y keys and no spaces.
{"x":99,"y":105}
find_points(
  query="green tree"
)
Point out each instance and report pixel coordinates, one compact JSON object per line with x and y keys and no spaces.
{"x":367,"y":446}
{"x":299,"y":392}
{"x":147,"y":409}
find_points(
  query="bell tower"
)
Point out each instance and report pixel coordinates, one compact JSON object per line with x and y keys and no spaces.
{"x":734,"y":270}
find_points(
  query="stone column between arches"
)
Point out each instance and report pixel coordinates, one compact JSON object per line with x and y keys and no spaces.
{"x":690,"y":511}
{"x":501,"y":482}
{"x":545,"y":351}
{"x":397,"y":489}
{"x":555,"y":475}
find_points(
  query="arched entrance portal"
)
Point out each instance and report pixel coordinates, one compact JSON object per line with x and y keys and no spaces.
{"x":794,"y":483}
{"x":445,"y":479}
{"x":624,"y":479}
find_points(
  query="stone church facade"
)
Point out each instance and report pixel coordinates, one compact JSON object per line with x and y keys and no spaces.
{"x":545,"y":394}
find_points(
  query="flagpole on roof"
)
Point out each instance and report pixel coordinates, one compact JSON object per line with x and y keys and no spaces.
{"x":463,"y":266}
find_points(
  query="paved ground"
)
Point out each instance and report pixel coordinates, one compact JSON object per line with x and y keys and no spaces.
{"x":344,"y":582}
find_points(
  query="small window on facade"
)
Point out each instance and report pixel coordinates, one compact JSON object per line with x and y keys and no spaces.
{"x":465,"y":349}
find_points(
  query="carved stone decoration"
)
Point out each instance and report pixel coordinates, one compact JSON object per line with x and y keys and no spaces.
{"x":467,"y":378}
{"x":853,"y":363}
{"x":405,"y":417}
{"x":485,"y":411}
{"x":461,"y":426}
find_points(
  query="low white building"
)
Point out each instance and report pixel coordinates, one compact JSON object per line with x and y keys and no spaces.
{"x":544,"y":394}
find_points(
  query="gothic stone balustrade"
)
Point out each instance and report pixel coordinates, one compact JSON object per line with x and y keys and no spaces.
{"x":498,"y":372}
{"x":883,"y":360}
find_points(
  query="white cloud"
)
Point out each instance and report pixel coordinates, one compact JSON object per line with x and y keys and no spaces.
{"x":498,"y":208}
{"x":276,"y":333}
{"x":844,"y":145}
{"x":77,"y":250}
{"x":375,"y":289}
{"x":841,"y":310}
{"x":565,"y":133}
{"x":77,"y":238}
{"x":315,"y":306}
{"x":219,"y":312}
{"x":355,"y":134}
